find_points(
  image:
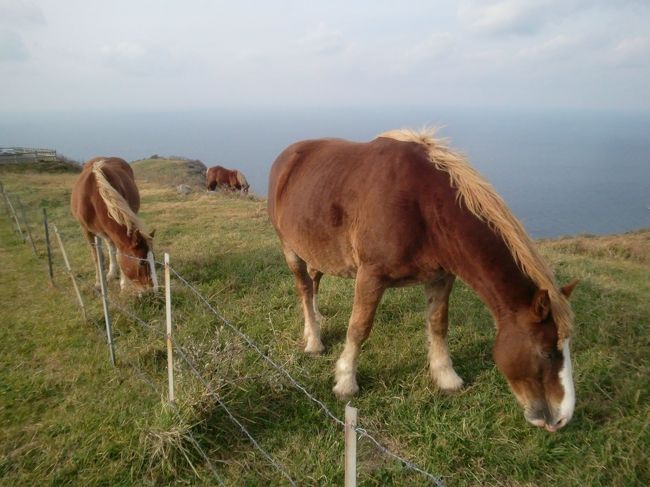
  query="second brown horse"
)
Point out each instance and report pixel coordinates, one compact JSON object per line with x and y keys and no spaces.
{"x":105,"y":200}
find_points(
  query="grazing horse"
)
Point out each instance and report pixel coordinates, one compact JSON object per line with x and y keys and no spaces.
{"x":105,"y":200}
{"x":405,"y":209}
{"x":222,"y":177}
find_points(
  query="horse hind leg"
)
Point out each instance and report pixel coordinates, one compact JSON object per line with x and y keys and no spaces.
{"x":367,"y":294}
{"x":305,"y":287}
{"x":316,"y":276}
{"x":440,"y":365}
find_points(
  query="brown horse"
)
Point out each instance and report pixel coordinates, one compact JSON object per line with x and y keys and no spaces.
{"x":405,"y":209}
{"x":105,"y":200}
{"x":234,"y":180}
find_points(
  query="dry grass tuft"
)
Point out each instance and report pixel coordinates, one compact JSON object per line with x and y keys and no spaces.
{"x":632,"y":246}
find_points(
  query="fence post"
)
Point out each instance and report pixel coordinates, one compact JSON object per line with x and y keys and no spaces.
{"x":69,"y":269}
{"x":29,"y":231}
{"x":350,"y":446}
{"x":4,"y":199}
{"x":49,"y":250}
{"x":102,"y":283}
{"x":13,"y":213}
{"x":168,"y":311}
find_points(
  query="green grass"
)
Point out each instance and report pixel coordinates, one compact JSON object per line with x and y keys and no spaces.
{"x":69,"y":417}
{"x":171,"y":171}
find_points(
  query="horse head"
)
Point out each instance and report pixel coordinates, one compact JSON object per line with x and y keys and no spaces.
{"x":242,"y":183}
{"x":536,"y":361}
{"x":137,"y":262}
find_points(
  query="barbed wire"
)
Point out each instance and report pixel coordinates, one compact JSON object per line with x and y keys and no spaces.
{"x":360,"y":431}
{"x":254,"y":346}
{"x":133,"y":316}
{"x":142,"y":375}
{"x":364,"y":434}
{"x":209,"y":387}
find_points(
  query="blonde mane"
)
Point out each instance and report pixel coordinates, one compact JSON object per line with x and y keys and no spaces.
{"x":482,"y":200}
{"x":118,"y":208}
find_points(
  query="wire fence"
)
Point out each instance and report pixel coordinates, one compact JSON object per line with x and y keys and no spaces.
{"x":181,"y":352}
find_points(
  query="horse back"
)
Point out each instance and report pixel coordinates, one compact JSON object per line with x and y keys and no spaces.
{"x":86,"y":202}
{"x":338,"y":204}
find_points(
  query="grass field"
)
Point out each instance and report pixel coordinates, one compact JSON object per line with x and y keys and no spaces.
{"x":69,"y":418}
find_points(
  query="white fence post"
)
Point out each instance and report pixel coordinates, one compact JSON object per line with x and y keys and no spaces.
{"x":13,"y":213}
{"x":168,"y":335}
{"x":102,"y":283}
{"x":69,"y":269}
{"x":29,"y":232}
{"x":350,"y":446}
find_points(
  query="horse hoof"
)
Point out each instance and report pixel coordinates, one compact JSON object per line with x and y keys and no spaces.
{"x":315,"y":348}
{"x":448,"y":381}
{"x":344,"y":391}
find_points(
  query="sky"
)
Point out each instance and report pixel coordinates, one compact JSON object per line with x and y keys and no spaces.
{"x":167,"y":55}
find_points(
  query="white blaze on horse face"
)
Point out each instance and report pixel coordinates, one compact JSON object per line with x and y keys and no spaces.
{"x":566,"y":379}
{"x":152,"y":268}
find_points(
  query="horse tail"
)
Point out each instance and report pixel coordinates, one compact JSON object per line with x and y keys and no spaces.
{"x":118,"y":208}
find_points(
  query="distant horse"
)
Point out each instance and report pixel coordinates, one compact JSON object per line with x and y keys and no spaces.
{"x":222,"y":177}
{"x":105,"y":200}
{"x":405,"y":209}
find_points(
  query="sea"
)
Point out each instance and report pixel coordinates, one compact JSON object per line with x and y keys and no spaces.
{"x":562,"y":172}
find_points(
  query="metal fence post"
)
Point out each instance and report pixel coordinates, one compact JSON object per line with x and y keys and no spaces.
{"x":49,"y":249}
{"x":69,"y":269}
{"x":168,"y":311}
{"x":102,"y":282}
{"x":350,"y":446}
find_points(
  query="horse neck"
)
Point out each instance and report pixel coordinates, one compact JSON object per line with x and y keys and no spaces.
{"x":502,"y":287}
{"x":117,"y":234}
{"x":480,"y":257}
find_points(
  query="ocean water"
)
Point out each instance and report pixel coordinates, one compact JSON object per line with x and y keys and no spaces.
{"x":561,"y":172}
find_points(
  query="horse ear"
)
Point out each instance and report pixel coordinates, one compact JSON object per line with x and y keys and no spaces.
{"x":568,"y":289}
{"x":541,"y":305}
{"x":135,"y":236}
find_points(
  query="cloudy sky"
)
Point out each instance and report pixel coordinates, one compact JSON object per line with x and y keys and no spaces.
{"x":163,"y":54}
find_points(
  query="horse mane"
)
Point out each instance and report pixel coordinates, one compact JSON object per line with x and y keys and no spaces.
{"x":482,"y":200}
{"x":240,"y":178}
{"x":118,"y":208}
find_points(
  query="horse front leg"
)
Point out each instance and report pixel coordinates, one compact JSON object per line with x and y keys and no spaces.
{"x":440,"y":366}
{"x":305,"y":288}
{"x":368,"y":291}
{"x":113,"y":268}
{"x":90,"y":238}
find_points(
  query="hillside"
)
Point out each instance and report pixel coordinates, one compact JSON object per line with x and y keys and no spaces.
{"x":170,"y":171}
{"x":60,"y":164}
{"x":69,"y":417}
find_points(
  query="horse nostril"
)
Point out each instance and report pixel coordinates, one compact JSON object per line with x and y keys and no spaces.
{"x":556,"y":426}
